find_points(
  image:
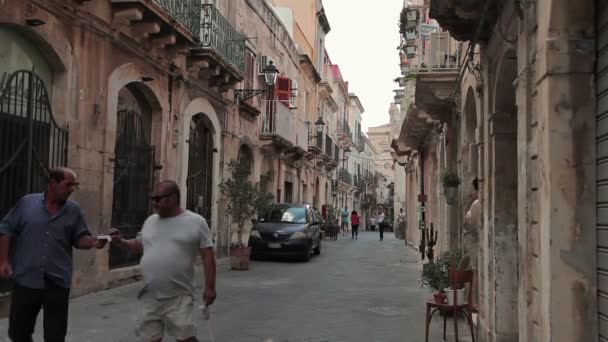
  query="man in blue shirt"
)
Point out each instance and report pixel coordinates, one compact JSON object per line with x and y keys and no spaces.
{"x":40,"y":232}
{"x":344,"y":216}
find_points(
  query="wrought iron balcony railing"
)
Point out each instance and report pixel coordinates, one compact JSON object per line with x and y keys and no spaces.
{"x":219,"y":35}
{"x":345,"y":176}
{"x":187,"y":12}
{"x":329,"y":146}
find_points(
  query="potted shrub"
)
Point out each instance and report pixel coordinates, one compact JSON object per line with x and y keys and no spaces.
{"x":435,"y":276}
{"x":450,"y":181}
{"x":242,"y":200}
{"x":456,"y":264}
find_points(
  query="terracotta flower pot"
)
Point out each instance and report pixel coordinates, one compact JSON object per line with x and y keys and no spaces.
{"x":440,"y":298}
{"x":239,"y":258}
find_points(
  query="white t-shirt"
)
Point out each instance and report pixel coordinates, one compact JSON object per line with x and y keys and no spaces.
{"x":170,"y":248}
{"x":380,"y":218}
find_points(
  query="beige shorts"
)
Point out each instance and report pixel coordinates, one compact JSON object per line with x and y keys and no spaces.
{"x":175,"y":316}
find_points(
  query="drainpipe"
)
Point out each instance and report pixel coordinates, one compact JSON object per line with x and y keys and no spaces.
{"x":422,"y":247}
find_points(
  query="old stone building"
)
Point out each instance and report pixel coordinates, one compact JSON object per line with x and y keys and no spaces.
{"x":522,"y":111}
{"x":125,"y":94}
{"x":128,"y":93}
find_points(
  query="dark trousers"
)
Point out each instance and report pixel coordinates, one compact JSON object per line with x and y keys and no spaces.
{"x":381,"y":229}
{"x":25,"y":306}
{"x":355,"y":230}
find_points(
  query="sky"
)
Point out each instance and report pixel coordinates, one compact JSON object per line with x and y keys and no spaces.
{"x":363,"y":41}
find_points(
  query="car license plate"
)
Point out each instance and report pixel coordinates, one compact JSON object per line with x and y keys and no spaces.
{"x":274,"y":245}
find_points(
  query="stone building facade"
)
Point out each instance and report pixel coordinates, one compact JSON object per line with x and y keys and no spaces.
{"x":523,"y":113}
{"x":128,"y":93}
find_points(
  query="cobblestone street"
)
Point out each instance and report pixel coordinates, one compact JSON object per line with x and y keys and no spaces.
{"x":356,"y":290}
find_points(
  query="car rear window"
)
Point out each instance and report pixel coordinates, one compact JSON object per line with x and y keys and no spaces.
{"x":286,"y":215}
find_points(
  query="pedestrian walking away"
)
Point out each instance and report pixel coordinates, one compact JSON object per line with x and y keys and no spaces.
{"x":381,"y":225}
{"x":170,"y":242}
{"x":373,"y":221}
{"x":40,"y":231}
{"x":354,"y":222}
{"x":344,"y":226}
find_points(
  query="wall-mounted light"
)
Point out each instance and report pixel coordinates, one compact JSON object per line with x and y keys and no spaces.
{"x":270,"y":74}
{"x":270,"y":78}
{"x":320,"y":123}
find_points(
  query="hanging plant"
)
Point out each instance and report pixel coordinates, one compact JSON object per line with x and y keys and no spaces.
{"x":450,"y":179}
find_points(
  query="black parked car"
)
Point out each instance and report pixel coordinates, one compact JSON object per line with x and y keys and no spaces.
{"x":287,"y":230}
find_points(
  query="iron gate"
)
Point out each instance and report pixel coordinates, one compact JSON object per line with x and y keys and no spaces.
{"x":133,"y":181}
{"x":31,"y":141}
{"x":200,"y":167}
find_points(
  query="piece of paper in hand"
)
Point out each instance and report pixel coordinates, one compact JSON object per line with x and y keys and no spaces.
{"x":104,"y":237}
{"x":206,"y":313}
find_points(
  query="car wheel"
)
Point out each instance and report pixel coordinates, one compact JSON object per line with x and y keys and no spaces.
{"x":306,"y":255}
{"x":317,"y":249}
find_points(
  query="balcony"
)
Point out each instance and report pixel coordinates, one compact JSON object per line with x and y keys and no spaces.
{"x":219,"y":58}
{"x":278,"y":128}
{"x":315,"y":145}
{"x":434,"y":65}
{"x":158,"y":24}
{"x":462,"y":18}
{"x":300,"y":149}
{"x":332,"y":163}
{"x":345,"y":134}
{"x":345,"y":177}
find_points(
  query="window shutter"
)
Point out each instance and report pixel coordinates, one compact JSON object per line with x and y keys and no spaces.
{"x":283,"y":89}
{"x":249,"y":72}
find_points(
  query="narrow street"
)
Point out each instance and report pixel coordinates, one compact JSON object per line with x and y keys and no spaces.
{"x":356,"y":290}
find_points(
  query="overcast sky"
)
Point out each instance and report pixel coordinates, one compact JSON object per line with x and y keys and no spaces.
{"x":363,"y":41}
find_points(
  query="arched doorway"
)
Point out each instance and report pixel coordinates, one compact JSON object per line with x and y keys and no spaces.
{"x":32,"y":140}
{"x":133,"y":168}
{"x":246,"y":157}
{"x":200,"y":167}
{"x":502,"y":231}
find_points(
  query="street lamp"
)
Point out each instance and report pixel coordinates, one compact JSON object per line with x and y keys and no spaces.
{"x":270,"y":79}
{"x":320,"y":123}
{"x":270,"y":74}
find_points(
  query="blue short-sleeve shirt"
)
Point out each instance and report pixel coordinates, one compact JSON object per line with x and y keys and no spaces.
{"x":41,"y":244}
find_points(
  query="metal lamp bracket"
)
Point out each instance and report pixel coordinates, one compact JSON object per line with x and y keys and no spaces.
{"x":246,"y":94}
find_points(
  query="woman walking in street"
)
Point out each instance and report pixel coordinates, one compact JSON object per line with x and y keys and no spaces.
{"x":354,"y":223}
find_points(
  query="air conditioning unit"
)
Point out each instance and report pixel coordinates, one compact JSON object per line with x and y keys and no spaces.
{"x":262,"y":63}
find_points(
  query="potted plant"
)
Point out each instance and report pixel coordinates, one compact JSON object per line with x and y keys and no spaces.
{"x":450,"y":181}
{"x":456,"y":263}
{"x":242,"y":200}
{"x":435,"y":276}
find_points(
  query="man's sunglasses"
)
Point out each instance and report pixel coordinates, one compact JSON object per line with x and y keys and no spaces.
{"x":159,"y":197}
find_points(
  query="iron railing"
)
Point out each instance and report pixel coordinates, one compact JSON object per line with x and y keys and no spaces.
{"x":345,"y":176}
{"x":337,"y":153}
{"x":219,"y":35}
{"x":438,"y":52}
{"x":314,"y":138}
{"x":277,"y":120}
{"x":187,"y":12}
{"x":328,"y":146}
